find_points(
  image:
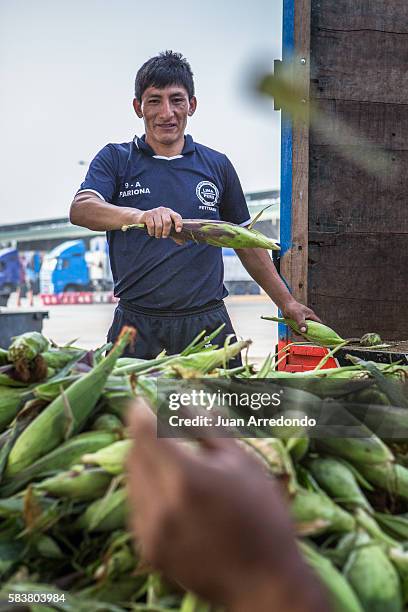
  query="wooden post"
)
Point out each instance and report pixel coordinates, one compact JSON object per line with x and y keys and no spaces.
{"x":294,"y":265}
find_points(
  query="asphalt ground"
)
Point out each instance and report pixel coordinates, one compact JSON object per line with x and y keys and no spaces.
{"x":88,"y":324}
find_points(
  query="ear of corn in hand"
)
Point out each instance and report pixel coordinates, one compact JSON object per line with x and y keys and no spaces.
{"x":316,"y":332}
{"x":218,"y":233}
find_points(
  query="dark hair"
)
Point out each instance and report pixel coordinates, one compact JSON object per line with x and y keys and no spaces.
{"x":167,"y":68}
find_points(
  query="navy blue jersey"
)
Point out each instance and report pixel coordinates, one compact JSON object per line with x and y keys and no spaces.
{"x":198,"y":184}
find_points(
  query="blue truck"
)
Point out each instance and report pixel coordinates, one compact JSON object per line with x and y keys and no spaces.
{"x":70,"y":267}
{"x":9,"y":273}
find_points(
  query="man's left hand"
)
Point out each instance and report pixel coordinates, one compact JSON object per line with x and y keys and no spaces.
{"x":299,"y":313}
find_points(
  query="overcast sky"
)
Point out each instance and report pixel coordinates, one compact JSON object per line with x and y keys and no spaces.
{"x":67,"y":71}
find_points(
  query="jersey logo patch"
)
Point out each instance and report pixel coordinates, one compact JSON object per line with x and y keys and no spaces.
{"x":207,"y":193}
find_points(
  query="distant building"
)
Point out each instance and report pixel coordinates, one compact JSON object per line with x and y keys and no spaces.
{"x":46,"y":234}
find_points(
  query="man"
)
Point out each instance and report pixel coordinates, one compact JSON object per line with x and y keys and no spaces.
{"x":170,"y":292}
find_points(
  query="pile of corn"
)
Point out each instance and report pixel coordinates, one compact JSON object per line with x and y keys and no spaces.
{"x":63,"y":501}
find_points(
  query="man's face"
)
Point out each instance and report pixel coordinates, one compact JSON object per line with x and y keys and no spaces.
{"x":165,"y":112}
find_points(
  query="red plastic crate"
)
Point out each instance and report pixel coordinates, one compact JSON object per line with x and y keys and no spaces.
{"x":301,"y":358}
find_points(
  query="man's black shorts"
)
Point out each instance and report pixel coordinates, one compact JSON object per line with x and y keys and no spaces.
{"x":170,"y":330}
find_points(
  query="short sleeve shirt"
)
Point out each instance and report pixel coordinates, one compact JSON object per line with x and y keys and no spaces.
{"x":198,"y":184}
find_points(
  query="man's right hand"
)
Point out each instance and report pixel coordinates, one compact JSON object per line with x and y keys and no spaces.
{"x":159,"y":220}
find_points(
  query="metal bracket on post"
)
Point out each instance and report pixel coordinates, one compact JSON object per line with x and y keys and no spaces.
{"x":277,"y":69}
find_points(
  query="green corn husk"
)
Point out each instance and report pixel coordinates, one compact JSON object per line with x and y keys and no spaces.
{"x":341,"y":552}
{"x":316,"y":332}
{"x":4,"y":360}
{"x":374,"y":578}
{"x":316,"y":513}
{"x":399,"y":558}
{"x":206,"y":361}
{"x":397,"y":525}
{"x":341,"y":595}
{"x":274,"y":456}
{"x":218,"y":233}
{"x":298,"y":447}
{"x":61,"y":458}
{"x":357,"y":450}
{"x":8,"y":381}
{"x":78,"y":483}
{"x":66,"y":414}
{"x":27,"y":346}
{"x":115,"y":591}
{"x":107,"y":422}
{"x":47,"y":547}
{"x":370,"y":525}
{"x":60,"y":357}
{"x":192,"y":603}
{"x":116,"y":563}
{"x":391,"y":477}
{"x":12,"y":399}
{"x":52,"y":389}
{"x":112,"y":458}
{"x":338,"y":481}
{"x":370,"y":339}
{"x":25,"y":352}
{"x":106,"y":514}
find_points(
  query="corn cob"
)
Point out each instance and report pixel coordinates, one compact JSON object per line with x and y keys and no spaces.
{"x":108,"y":422}
{"x":370,"y":526}
{"x":341,"y":595}
{"x":274,"y":456}
{"x":192,"y":603}
{"x":11,"y":400}
{"x":78,"y":483}
{"x":47,"y":547}
{"x":61,"y":458}
{"x":373,"y":578}
{"x":27,"y":346}
{"x":218,"y":233}
{"x":7,"y":380}
{"x":112,"y":458}
{"x":315,"y":513}
{"x":391,"y":477}
{"x":298,"y":447}
{"x":345,"y":545}
{"x":399,"y":558}
{"x":316,"y":332}
{"x":206,"y":361}
{"x":52,"y":389}
{"x":25,"y":353}
{"x":53,"y":425}
{"x":370,"y":339}
{"x":397,"y":525}
{"x":102,"y":595}
{"x":338,"y":481}
{"x":357,"y":450}
{"x":105,"y":514}
{"x":118,"y":562}
{"x":60,"y":357}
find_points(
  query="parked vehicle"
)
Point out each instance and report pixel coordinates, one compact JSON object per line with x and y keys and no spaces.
{"x":9,"y":273}
{"x":70,"y":267}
